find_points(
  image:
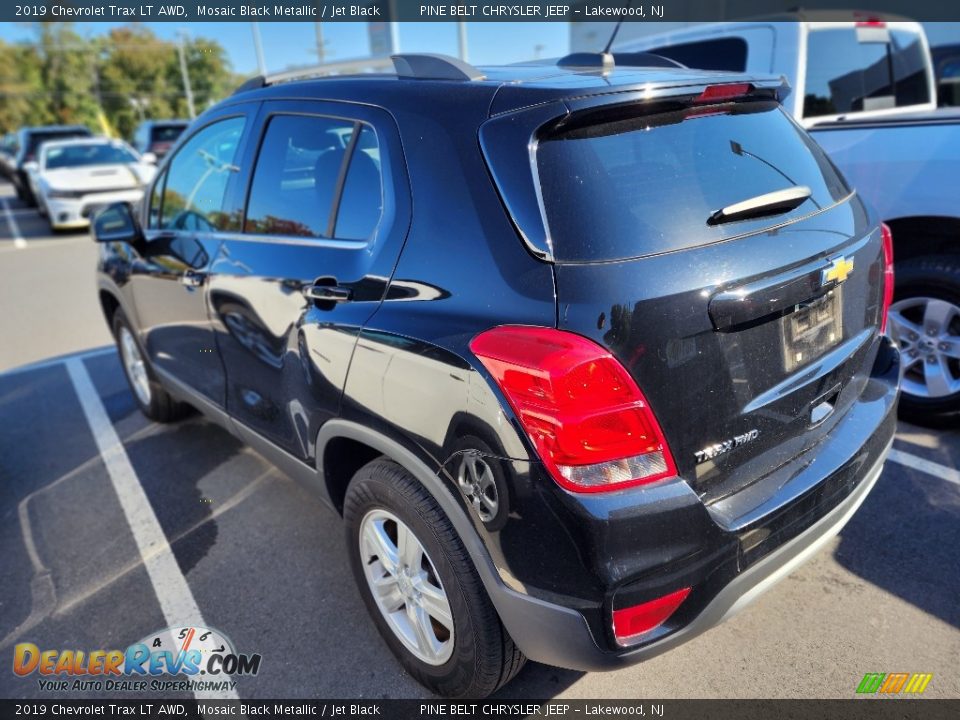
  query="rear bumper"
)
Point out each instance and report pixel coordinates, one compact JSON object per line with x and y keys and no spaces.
{"x":741,"y":567}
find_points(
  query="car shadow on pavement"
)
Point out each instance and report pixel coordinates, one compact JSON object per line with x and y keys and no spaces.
{"x":904,"y":539}
{"x":170,"y":465}
{"x":538,"y":681}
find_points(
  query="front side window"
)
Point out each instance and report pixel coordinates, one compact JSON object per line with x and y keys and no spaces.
{"x":312,"y":180}
{"x":197,"y":179}
{"x":861,"y":69}
{"x":156,"y":195}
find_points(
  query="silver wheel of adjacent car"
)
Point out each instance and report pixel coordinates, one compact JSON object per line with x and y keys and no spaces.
{"x":406,"y":587}
{"x":134,"y":366}
{"x":928,"y":332}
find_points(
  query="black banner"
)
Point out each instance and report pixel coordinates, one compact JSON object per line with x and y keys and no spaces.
{"x":854,"y":709}
{"x":465,"y":10}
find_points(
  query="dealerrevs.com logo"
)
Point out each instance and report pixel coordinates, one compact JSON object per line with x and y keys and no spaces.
{"x":206,"y":657}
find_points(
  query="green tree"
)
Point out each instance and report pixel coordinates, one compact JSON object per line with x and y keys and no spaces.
{"x":135,"y":83}
{"x":22,"y":100}
{"x":67,"y":74}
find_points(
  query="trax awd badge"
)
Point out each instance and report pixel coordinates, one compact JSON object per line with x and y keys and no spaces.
{"x":712,"y":451}
{"x":838,"y":271}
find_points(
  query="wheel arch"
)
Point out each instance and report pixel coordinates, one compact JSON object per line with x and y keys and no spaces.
{"x":531,"y":622}
{"x":921,"y":235}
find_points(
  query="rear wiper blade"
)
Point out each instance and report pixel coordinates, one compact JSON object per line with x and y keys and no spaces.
{"x":779,"y":201}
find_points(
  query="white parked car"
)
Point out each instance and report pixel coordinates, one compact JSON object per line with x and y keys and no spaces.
{"x":74,"y":179}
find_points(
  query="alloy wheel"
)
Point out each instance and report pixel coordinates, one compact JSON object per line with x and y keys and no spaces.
{"x":134,"y":366}
{"x":928,"y":332}
{"x":406,"y":587}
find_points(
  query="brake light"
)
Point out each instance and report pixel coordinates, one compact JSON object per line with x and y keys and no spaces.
{"x":887,"y":241}
{"x":632,"y":622}
{"x":584,"y":414}
{"x":871,"y":23}
{"x":729,"y":91}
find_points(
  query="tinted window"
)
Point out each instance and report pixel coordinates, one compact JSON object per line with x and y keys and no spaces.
{"x":721,"y":54}
{"x":166,"y":133}
{"x":297,"y":177}
{"x":948,"y":76}
{"x":92,"y":154}
{"x":362,"y":202}
{"x":848,"y":70}
{"x":637,"y":185}
{"x":198,"y":176}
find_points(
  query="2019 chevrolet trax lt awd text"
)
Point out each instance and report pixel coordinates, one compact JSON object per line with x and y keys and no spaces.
{"x":586,"y":357}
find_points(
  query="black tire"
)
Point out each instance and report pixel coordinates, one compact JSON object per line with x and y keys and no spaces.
{"x":935,"y":277}
{"x":162,"y":407}
{"x":484,"y":656}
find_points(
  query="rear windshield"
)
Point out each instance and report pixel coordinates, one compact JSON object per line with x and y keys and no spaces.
{"x":647,"y":184}
{"x":166,"y":133}
{"x":858,"y":69}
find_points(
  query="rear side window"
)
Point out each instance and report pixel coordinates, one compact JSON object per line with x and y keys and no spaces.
{"x":645,"y":184}
{"x":720,"y":54}
{"x":313,"y":180}
{"x":859,"y":69}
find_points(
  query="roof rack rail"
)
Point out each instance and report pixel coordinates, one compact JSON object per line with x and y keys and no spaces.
{"x":429,"y":66}
{"x":314,"y":71}
{"x":607,"y":61}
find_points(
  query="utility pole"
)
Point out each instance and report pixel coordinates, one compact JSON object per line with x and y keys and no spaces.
{"x":462,"y":40}
{"x":321,"y":49}
{"x":258,"y":46}
{"x":185,"y":75}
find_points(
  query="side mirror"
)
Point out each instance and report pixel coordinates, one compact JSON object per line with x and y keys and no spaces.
{"x":31,"y":166}
{"x":116,"y":223}
{"x":149,"y":158}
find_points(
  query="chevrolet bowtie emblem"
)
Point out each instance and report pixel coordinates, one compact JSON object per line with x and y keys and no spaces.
{"x":840,"y":268}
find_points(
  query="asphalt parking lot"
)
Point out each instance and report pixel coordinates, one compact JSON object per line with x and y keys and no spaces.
{"x":264,"y":562}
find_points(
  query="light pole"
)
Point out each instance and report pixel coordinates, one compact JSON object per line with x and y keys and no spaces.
{"x":185,"y":75}
{"x":462,"y":40}
{"x":258,"y":46}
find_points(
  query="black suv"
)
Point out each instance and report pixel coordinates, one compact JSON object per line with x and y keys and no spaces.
{"x":585,"y":357}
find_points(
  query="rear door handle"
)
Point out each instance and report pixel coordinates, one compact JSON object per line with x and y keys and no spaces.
{"x":192,"y":278}
{"x":327,"y":293}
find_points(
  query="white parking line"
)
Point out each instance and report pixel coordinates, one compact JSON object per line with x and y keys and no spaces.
{"x":171,"y":588}
{"x":57,"y":361}
{"x":18,"y":241}
{"x":925,"y":466}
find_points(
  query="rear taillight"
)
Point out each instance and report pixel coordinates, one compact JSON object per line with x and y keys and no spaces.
{"x":583,"y":412}
{"x":630,"y":624}
{"x":887,"y":238}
